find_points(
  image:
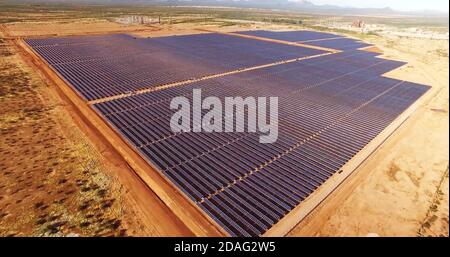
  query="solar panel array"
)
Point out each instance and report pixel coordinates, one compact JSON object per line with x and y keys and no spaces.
{"x":330,"y":107}
{"x":326,"y":116}
{"x":313,"y":38}
{"x":343,"y":44}
{"x":101,"y":67}
{"x":291,"y":36}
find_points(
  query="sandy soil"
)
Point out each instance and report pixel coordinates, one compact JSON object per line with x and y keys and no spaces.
{"x":84,"y":26}
{"x":52,"y":181}
{"x":403,"y":189}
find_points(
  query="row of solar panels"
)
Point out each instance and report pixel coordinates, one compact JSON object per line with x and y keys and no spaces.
{"x":314,"y":38}
{"x":253,"y":205}
{"x":290,"y":36}
{"x":335,"y":69}
{"x":325,"y":120}
{"x":99,"y":68}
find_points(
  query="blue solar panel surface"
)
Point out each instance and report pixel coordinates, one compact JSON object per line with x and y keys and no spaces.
{"x":101,"y":67}
{"x":330,"y":107}
{"x":313,"y":38}
{"x":326,"y":116}
{"x":291,"y":36}
{"x":343,"y":44}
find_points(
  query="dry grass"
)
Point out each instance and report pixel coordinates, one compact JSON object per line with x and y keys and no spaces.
{"x":51,"y":180}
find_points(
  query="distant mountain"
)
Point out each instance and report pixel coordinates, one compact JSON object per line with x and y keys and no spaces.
{"x":297,"y":5}
{"x":292,"y":5}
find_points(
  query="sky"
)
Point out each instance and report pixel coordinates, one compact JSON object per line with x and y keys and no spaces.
{"x":402,"y":5}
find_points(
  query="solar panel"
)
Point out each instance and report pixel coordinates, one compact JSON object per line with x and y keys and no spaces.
{"x":103,"y":66}
{"x":321,"y":39}
{"x":340,"y":44}
{"x":291,"y":36}
{"x":323,"y":123}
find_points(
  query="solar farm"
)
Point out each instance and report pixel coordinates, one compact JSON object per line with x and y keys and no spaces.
{"x":334,"y":100}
